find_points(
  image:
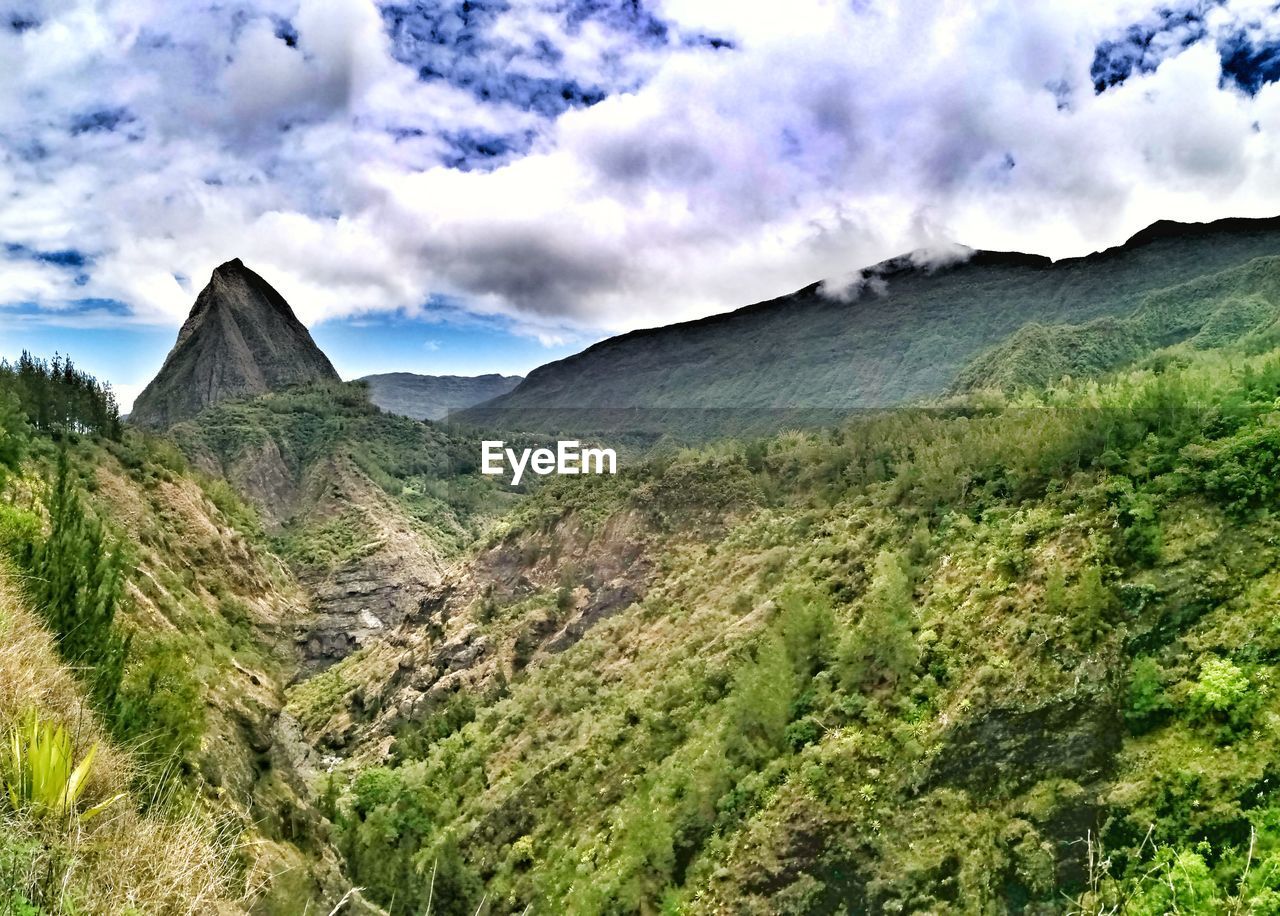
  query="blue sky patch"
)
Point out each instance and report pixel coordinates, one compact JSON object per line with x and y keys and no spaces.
{"x":1144,"y":46}
{"x":1247,"y":64}
{"x":69,"y":257}
{"x":100,"y":120}
{"x":471,"y":151}
{"x":457,"y":42}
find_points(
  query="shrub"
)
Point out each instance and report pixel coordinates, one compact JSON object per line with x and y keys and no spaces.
{"x":13,"y":433}
{"x":161,"y":709}
{"x":40,"y":777}
{"x":881,"y":647}
{"x":1222,"y":694}
{"x":1147,"y":698}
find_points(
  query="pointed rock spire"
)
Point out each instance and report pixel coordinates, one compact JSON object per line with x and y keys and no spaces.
{"x":241,"y":339}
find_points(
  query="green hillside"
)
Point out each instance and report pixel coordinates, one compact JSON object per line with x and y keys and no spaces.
{"x":433,"y":397}
{"x":1008,"y":659}
{"x":1008,"y":652}
{"x":368,"y":508}
{"x":905,"y":343}
{"x":141,"y":613}
{"x":1240,"y":304}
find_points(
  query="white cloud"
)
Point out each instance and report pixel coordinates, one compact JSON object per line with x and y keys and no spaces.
{"x":831,"y":136}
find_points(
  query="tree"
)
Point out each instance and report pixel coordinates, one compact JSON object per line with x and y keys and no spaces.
{"x":55,"y":395}
{"x":13,"y":433}
{"x":77,"y":582}
{"x":881,"y":647}
{"x":759,"y":706}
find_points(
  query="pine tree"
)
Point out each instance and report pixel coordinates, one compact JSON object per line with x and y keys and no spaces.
{"x":13,"y":434}
{"x":77,"y":580}
{"x":882,"y":647}
{"x":56,"y":396}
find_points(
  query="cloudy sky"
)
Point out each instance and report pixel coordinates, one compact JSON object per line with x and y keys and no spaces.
{"x":486,"y":185}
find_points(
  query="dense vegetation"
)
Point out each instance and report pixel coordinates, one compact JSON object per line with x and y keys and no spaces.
{"x":55,"y":395}
{"x":1006,"y":655}
{"x":1238,"y":305}
{"x":140,"y":615}
{"x":429,"y":471}
{"x":76,"y":578}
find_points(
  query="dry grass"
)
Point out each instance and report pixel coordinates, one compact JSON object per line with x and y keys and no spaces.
{"x":123,"y":861}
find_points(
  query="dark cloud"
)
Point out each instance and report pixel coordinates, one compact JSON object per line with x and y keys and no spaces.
{"x":286,"y":32}
{"x":710,"y":41}
{"x":550,"y":272}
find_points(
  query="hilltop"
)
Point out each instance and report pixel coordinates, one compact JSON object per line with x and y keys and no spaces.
{"x":240,"y":339}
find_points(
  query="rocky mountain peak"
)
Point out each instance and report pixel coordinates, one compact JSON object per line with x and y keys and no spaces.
{"x":240,"y":339}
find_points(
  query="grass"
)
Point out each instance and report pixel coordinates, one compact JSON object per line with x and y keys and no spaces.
{"x":174,"y":859}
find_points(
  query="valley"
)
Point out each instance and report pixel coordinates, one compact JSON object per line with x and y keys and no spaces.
{"x":994,"y":632}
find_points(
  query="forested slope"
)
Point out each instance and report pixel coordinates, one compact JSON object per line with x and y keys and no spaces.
{"x":999,"y":656}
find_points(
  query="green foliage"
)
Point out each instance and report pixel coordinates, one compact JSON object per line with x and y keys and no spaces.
{"x":1243,"y":469}
{"x":76,"y":577}
{"x":161,"y":707}
{"x":900,"y":642}
{"x":1086,"y":607}
{"x":760,"y":701}
{"x":13,"y":433}
{"x":881,"y":647}
{"x":317,"y":698}
{"x":415,"y":740}
{"x":41,"y":776}
{"x":1223,"y":695}
{"x":19,"y":528}
{"x":55,"y":395}
{"x":1147,"y":699}
{"x":327,"y":544}
{"x":427,"y":471}
{"x":1182,"y":882}
{"x":1208,"y":312}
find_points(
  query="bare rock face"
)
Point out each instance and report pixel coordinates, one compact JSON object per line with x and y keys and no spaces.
{"x":241,"y":339}
{"x":369,"y":594}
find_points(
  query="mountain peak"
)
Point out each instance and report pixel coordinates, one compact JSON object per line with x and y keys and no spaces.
{"x":240,"y":339}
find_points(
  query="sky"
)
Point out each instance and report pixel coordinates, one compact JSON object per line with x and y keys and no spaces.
{"x":465,"y":187}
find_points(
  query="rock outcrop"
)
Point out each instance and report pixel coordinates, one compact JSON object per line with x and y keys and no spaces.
{"x":241,"y":339}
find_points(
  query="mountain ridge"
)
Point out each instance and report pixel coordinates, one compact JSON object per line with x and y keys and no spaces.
{"x":906,"y":343}
{"x":432,"y":397}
